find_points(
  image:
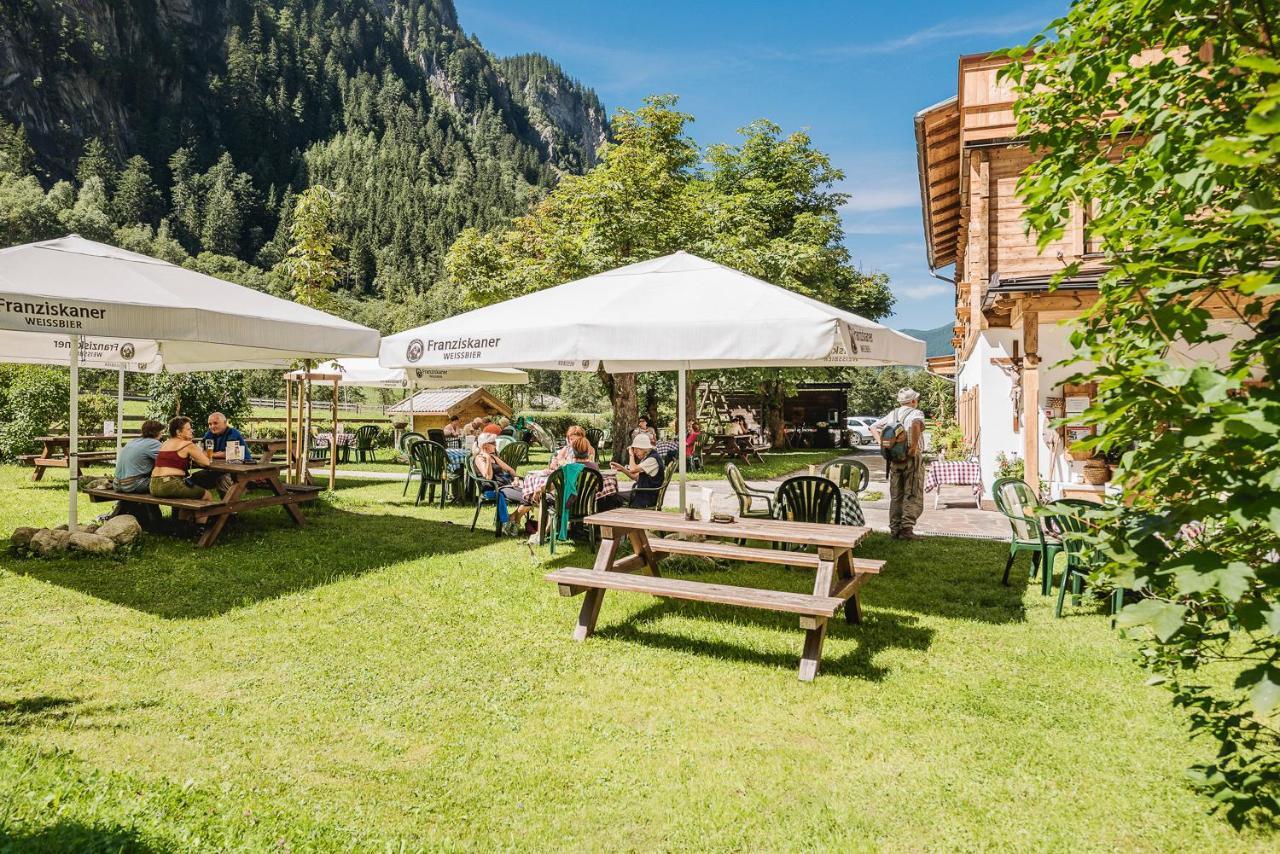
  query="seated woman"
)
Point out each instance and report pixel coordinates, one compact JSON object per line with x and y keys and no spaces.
{"x":169,"y":478}
{"x":491,"y":467}
{"x":643,"y":426}
{"x":579,"y":450}
{"x":568,"y":454}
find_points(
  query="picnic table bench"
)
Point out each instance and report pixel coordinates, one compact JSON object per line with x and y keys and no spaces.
{"x":56,"y":450}
{"x":839,"y":576}
{"x":242,"y":475}
{"x":731,"y":446}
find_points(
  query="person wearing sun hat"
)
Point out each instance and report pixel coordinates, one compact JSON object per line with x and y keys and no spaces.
{"x":645,"y":469}
{"x":901,"y":447}
{"x":492,"y":467}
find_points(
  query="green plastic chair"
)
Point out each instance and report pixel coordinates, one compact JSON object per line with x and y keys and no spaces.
{"x":433,"y":470}
{"x":595,"y":436}
{"x":852,"y":474}
{"x":748,"y":495}
{"x":365,"y":437}
{"x":808,"y":498}
{"x":407,"y":441}
{"x":515,"y":454}
{"x":1019,"y":504}
{"x":698,"y":459}
{"x":483,"y":485}
{"x":583,"y":505}
{"x":1067,"y":516}
{"x":660,"y":491}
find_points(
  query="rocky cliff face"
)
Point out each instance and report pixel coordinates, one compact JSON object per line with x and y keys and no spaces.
{"x":570,"y":120}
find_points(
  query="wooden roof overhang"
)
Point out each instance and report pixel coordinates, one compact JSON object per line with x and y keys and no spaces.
{"x":938,"y":155}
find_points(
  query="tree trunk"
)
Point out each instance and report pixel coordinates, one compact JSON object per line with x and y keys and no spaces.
{"x":774,"y":398}
{"x":622,"y":395}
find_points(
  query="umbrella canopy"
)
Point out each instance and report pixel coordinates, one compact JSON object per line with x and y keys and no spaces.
{"x":678,"y":311}
{"x":73,"y":286}
{"x":75,"y":289}
{"x":368,"y":373}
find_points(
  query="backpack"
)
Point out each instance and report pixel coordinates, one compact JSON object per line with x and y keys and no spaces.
{"x":895,"y":438}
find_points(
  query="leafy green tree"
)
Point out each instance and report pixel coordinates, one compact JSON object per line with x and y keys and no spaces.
{"x":312,"y":265}
{"x":136,"y":197}
{"x":1164,"y":120}
{"x":196,"y":395}
{"x":89,"y":216}
{"x":26,"y":213}
{"x":33,"y":398}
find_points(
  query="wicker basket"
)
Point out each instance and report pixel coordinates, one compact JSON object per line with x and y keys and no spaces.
{"x":1096,"y":471}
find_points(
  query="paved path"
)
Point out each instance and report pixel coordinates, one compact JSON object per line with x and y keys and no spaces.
{"x":956,"y":515}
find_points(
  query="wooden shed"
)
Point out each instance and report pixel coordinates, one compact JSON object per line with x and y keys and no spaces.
{"x":432,"y":408}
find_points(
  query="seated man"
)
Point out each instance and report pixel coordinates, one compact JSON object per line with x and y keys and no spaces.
{"x":645,"y":469}
{"x":137,"y":459}
{"x":221,"y":432}
{"x":453,"y":429}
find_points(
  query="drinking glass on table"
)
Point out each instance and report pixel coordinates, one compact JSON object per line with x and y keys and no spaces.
{"x":208,"y":447}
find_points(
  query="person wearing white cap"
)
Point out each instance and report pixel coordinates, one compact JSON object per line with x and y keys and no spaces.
{"x":492,"y":467}
{"x":645,"y":469}
{"x":901,"y":438}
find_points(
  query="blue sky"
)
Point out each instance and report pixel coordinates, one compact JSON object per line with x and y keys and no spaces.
{"x":853,"y":74}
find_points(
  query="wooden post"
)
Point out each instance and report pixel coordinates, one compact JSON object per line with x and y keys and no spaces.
{"x":979,"y":254}
{"x":333,"y":441}
{"x":288,"y":427}
{"x":1031,"y":398}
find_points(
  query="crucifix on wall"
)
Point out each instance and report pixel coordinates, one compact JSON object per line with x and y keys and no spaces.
{"x":1011,"y":367}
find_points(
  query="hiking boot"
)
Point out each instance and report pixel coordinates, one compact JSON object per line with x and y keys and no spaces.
{"x":909,"y":535}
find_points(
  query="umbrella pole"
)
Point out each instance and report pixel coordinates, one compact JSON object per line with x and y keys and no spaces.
{"x":120,"y":412}
{"x":680,"y":434}
{"x":288,"y":428}
{"x":73,"y":435}
{"x":333,"y":444}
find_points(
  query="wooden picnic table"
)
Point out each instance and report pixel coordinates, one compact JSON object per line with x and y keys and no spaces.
{"x":242,"y":475}
{"x":266,"y":449}
{"x":731,"y":446}
{"x":56,"y":453}
{"x":838,"y":575}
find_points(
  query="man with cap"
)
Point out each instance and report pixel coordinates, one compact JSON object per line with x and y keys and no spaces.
{"x":645,"y":469}
{"x":906,"y":471}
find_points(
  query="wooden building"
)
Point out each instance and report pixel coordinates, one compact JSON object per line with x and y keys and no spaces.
{"x":1011,"y":331}
{"x":432,"y":408}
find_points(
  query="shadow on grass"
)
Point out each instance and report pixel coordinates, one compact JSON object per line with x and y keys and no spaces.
{"x":260,"y":556}
{"x":876,"y":633}
{"x":28,"y":712}
{"x":68,"y":835}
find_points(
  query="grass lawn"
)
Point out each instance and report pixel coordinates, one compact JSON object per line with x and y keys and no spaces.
{"x":383,"y":678}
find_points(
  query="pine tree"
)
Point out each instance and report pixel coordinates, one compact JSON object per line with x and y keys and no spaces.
{"x":96,"y":162}
{"x":16,"y":156}
{"x":136,"y":197}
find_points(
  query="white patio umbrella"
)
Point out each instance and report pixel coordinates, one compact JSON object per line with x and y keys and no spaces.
{"x":679,"y":312}
{"x":75,"y":288}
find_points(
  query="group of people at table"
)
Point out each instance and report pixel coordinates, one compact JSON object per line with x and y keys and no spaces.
{"x":645,"y":467}
{"x":162,"y":467}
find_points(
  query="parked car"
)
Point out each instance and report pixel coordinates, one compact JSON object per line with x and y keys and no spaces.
{"x":859,"y":427}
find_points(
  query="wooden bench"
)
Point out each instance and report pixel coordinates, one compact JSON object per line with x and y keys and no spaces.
{"x":838,"y":576}
{"x":42,"y":462}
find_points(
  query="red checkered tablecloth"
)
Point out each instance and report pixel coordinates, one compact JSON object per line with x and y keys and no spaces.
{"x":948,"y":473}
{"x":534,"y":482}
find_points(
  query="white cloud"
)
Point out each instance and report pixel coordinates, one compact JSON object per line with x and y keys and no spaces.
{"x":922,"y":291}
{"x":864,"y":199}
{"x":944,"y":31}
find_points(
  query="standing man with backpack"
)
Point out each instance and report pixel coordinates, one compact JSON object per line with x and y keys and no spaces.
{"x":901,"y":438}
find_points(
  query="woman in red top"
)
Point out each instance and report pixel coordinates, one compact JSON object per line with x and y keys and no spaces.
{"x":169,"y":478}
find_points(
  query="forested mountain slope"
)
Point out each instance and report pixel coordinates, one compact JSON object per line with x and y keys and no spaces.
{"x":233,"y":106}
